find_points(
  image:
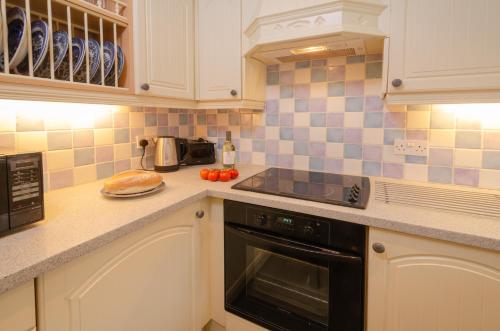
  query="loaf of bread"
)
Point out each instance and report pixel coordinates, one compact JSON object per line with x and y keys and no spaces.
{"x":132,"y":181}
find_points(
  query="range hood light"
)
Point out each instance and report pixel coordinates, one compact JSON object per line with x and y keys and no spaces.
{"x":307,"y":50}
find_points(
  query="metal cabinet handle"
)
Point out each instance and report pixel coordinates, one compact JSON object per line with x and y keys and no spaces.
{"x":200,"y":214}
{"x":378,"y":248}
{"x":234,"y":93}
{"x":397,"y":82}
{"x":145,"y":87}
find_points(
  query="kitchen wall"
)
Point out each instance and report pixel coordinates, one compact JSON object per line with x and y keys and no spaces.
{"x":327,"y":115}
{"x":83,"y":143}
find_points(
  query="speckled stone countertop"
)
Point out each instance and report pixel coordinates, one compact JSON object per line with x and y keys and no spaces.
{"x":80,"y":220}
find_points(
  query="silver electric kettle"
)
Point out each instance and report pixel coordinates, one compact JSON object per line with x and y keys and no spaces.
{"x":166,"y":157}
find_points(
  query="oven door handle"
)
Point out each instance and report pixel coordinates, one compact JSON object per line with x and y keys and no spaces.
{"x":311,"y":251}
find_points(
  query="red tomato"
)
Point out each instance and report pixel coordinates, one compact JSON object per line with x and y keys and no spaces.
{"x":213,"y":175}
{"x":204,"y":173}
{"x":234,"y":173}
{"x":225,"y":176}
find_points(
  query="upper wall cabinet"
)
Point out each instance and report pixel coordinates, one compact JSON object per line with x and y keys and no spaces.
{"x":219,"y":49}
{"x":164,"y":48}
{"x":443,"y":51}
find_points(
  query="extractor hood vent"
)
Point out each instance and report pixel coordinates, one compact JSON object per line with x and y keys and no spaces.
{"x":320,"y":28}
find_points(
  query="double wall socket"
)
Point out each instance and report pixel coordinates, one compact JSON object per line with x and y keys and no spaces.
{"x":139,"y":138}
{"x":410,"y":147}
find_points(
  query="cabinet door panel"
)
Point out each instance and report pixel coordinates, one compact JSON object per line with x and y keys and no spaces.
{"x":422,"y":284}
{"x":219,"y":49}
{"x":147,"y":280}
{"x":444,"y":45}
{"x":17,"y":308}
{"x":165,"y":45}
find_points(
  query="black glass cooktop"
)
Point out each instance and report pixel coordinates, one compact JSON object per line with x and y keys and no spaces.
{"x":344,"y":190}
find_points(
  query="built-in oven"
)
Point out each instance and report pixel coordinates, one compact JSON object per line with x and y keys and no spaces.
{"x":289,"y":271}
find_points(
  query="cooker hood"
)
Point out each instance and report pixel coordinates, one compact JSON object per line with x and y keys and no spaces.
{"x":294,"y":30}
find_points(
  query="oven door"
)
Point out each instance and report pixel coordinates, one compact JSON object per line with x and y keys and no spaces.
{"x":286,"y":285}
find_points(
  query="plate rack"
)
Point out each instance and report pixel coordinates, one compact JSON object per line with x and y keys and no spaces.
{"x":104,"y":20}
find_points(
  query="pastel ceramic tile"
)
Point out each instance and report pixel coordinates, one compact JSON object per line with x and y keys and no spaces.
{"x":416,"y":159}
{"x":302,"y":64}
{"x":317,"y":120}
{"x":258,"y":158}
{"x":355,"y":71}
{"x":353,"y":136}
{"x":489,"y":179}
{"x":286,"y":91}
{"x":442,"y":138}
{"x":353,"y":167}
{"x":31,"y":141}
{"x":417,"y":134}
{"x":286,"y":77}
{"x":122,"y":152}
{"x":59,"y":140}
{"x":373,"y":104}
{"x":353,"y":151}
{"x":150,"y":119}
{"x":318,"y":74}
{"x":418,"y":120}
{"x":468,"y":139}
{"x":491,"y":140}
{"x":302,"y":76}
{"x":336,"y":89}
{"x":121,"y":120}
{"x":104,"y":154}
{"x":137,"y":119}
{"x":373,"y":136}
{"x":272,"y":120}
{"x":373,"y":87}
{"x":335,"y":135}
{"x":317,"y":134}
{"x":442,"y":120}
{"x":302,"y":91}
{"x":61,"y":159}
{"x":301,"y":162}
{"x":271,"y":160}
{"x":122,"y":165}
{"x":394,"y":120}
{"x":85,"y":174}
{"x":272,"y":92}
{"x":103,"y":137}
{"x":469,"y":177}
{"x":85,"y":156}
{"x":336,"y":61}
{"x":83,"y":138}
{"x":317,"y":149}
{"x":441,"y":157}
{"x":441,"y":175}
{"x":335,"y":104}
{"x":468,"y":158}
{"x":105,"y":170}
{"x":7,"y":121}
{"x":389,"y":156}
{"x":319,"y":63}
{"x":372,"y":168}
{"x":355,"y":88}
{"x":334,"y":165}
{"x":272,"y":133}
{"x":372,"y":152}
{"x":319,"y":90}
{"x":468,"y":123}
{"x":335,"y":120}
{"x":301,"y":133}
{"x":7,"y":141}
{"x":316,"y":163}
{"x":392,"y":134}
{"x":374,"y":57}
{"x":491,"y":160}
{"x":122,"y":136}
{"x":273,"y":67}
{"x":374,"y":120}
{"x":317,"y":105}
{"x":334,"y":150}
{"x":373,"y":70}
{"x":354,"y":104}
{"x":336,"y":73}
{"x":273,"y":78}
{"x":286,"y":133}
{"x":393,"y":170}
{"x":355,"y":59}
{"x":29,"y":121}
{"x":258,"y":146}
{"x":353,"y":120}
{"x":104,"y":120}
{"x":272,"y":146}
{"x":301,"y":105}
{"x":61,"y":179}
{"x":418,"y":172}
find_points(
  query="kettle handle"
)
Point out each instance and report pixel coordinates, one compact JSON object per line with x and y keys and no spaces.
{"x":155,"y":140}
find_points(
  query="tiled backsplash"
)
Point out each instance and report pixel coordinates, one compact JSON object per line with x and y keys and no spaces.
{"x":323,"y":115}
{"x":327,"y":115}
{"x":85,"y":143}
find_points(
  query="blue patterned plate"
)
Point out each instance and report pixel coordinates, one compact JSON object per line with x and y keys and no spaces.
{"x":109,"y":59}
{"x":94,"y":60}
{"x":17,"y":37}
{"x":61,"y":45}
{"x":78,"y":57}
{"x":110,"y":80}
{"x":39,"y":45}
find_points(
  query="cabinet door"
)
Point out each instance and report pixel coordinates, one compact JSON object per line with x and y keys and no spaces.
{"x":148,"y":280}
{"x":164,"y":46}
{"x":17,"y":308}
{"x":445,"y":45}
{"x":219,"y":49}
{"x":423,"y":284}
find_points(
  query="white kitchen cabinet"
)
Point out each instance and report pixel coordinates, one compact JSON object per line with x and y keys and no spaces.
{"x":219,"y":49}
{"x":164,"y":48}
{"x":443,"y":51}
{"x":423,"y":284}
{"x":17,"y":308}
{"x":152,"y":279}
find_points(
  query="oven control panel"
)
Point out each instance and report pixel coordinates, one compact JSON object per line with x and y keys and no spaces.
{"x":295,"y":226}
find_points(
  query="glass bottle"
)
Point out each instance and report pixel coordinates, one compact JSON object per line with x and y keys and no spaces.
{"x":228,"y":152}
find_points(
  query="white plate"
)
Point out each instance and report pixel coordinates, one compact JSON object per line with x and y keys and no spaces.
{"x":134,"y":195}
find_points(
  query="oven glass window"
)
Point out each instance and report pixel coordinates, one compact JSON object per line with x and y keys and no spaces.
{"x":291,"y":284}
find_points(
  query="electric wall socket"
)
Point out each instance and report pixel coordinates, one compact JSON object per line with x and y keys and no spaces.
{"x":410,"y":147}
{"x":139,"y":138}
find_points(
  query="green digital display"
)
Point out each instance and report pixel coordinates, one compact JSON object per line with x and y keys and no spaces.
{"x":286,"y":220}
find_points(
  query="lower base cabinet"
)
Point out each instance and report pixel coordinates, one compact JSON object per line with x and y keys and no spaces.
{"x":423,"y":284}
{"x":150,"y":279}
{"x":17,"y":308}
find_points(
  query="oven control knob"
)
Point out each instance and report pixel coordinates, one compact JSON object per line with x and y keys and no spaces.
{"x":308,"y":230}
